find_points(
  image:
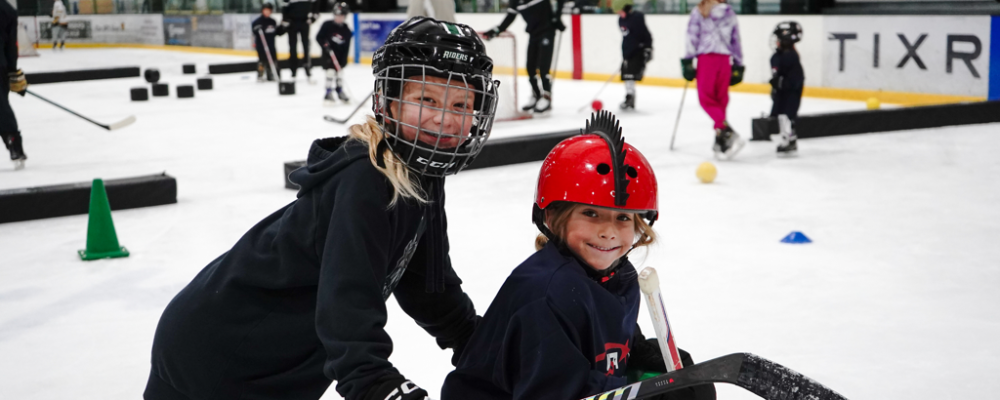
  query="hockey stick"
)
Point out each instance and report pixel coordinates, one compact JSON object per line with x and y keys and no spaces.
{"x":267,"y":52}
{"x":649,"y":284}
{"x":117,"y":125}
{"x":602,"y":89}
{"x":330,"y":118}
{"x":762,"y":377}
{"x":678,"y":121}
{"x":555,"y":64}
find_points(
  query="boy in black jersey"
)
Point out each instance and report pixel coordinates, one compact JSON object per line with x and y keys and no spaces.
{"x":637,"y":47}
{"x":265,"y":26}
{"x":335,"y":38}
{"x":542,"y":23}
{"x":787,"y":79}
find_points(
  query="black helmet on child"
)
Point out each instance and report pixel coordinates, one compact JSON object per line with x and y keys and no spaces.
{"x":788,"y":33}
{"x":267,"y":5}
{"x":423,"y":47}
{"x":341,"y":8}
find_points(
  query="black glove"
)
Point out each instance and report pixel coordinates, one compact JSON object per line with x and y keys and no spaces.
{"x":394,"y":387}
{"x":647,"y":54}
{"x":687,"y":69}
{"x":645,"y":356}
{"x":737,"y":75}
{"x":492,"y":33}
{"x":312,"y":18}
{"x":18,"y":84}
{"x":558,"y":24}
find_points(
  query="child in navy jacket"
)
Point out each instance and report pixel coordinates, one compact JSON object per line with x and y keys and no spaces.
{"x":563,"y":326}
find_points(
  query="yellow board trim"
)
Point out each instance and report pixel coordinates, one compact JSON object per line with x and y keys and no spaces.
{"x":899,"y":98}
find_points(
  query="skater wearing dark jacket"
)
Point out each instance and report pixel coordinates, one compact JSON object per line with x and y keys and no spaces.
{"x":296,"y":17}
{"x":637,"y":47}
{"x":12,"y":81}
{"x":267,"y":59}
{"x":335,"y":39}
{"x":299,"y":300}
{"x":787,"y":82}
{"x":542,"y":23}
{"x":563,"y":325}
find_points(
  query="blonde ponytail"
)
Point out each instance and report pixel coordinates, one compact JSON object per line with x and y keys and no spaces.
{"x":370,"y":133}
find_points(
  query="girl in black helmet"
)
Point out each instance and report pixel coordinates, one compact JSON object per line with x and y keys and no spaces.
{"x":299,"y":301}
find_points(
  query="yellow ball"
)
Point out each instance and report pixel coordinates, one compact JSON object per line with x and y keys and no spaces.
{"x":874,"y":104}
{"x":706,"y":172}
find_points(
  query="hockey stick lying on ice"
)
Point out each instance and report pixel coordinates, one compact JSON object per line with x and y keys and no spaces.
{"x":762,"y":377}
{"x":117,"y":125}
{"x":330,"y":118}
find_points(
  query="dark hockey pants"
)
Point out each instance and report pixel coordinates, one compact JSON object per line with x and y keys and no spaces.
{"x":540,"y":48}
{"x":8,"y":123}
{"x":295,"y":31}
{"x":786,"y":101}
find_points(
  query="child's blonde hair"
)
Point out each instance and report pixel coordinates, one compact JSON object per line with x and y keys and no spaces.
{"x":398,"y":174}
{"x":557,"y":216}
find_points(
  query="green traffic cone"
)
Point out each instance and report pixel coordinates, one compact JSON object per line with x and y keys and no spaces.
{"x":102,"y":242}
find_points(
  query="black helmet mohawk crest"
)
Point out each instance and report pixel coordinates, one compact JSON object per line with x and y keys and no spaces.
{"x":605,"y":125}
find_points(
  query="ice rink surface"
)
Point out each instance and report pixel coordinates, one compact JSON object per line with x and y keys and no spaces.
{"x":897,"y":298}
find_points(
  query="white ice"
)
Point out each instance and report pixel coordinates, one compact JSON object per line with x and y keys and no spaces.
{"x":897,"y":298}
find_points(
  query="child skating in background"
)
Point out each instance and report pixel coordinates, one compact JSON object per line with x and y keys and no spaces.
{"x":59,"y":25}
{"x":787,"y":80}
{"x":335,"y":39}
{"x":637,"y":47}
{"x":266,"y":58}
{"x":563,"y":325}
{"x":713,"y":37}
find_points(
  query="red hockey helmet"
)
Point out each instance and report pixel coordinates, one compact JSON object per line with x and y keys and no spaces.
{"x":597,"y":168}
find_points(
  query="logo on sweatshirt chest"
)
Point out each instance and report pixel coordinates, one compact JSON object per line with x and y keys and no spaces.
{"x":614,"y":357}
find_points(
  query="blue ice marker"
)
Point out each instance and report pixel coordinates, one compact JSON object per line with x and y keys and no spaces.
{"x":796,"y":237}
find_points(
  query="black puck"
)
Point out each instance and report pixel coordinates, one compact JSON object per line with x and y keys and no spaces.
{"x":286,"y":88}
{"x":185,"y":91}
{"x":161,"y":90}
{"x":204,"y":83}
{"x":152,"y":75}
{"x":188,"y":68}
{"x":140,"y":94}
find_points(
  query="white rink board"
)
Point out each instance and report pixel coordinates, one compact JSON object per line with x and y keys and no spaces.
{"x":859,"y":71}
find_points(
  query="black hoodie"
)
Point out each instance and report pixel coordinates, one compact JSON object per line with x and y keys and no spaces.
{"x":300,"y":299}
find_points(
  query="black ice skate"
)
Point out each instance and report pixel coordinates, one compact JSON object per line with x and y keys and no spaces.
{"x":342,"y":96}
{"x":531,"y":104}
{"x":787,"y":147}
{"x":17,"y":154}
{"x":329,"y":99}
{"x":727,"y":143}
{"x":544,"y":104}
{"x":629,"y":103}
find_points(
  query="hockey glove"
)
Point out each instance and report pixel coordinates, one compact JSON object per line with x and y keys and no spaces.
{"x":687,"y":69}
{"x":492,"y":33}
{"x":737,"y":75}
{"x":394,"y":387}
{"x":558,"y":24}
{"x":18,"y":84}
{"x":647,"y":54}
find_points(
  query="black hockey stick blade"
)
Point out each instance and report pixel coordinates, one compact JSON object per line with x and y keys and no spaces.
{"x":330,"y":118}
{"x":117,"y":125}
{"x":762,"y":377}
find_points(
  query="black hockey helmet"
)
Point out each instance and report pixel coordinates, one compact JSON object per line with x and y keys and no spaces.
{"x":341,"y":8}
{"x":788,"y":33}
{"x":267,"y":5}
{"x":422,"y":47}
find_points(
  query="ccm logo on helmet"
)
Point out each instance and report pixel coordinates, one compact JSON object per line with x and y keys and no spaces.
{"x":434,"y":164}
{"x":456,"y":56}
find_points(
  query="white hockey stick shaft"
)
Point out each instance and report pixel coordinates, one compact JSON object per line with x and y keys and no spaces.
{"x":678,"y":121}
{"x":649,"y":283}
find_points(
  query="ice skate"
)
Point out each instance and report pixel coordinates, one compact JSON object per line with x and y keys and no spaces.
{"x":531,"y":104}
{"x":629,"y":103}
{"x":17,"y":155}
{"x":544,"y":104}
{"x":727,"y":143}
{"x":342,"y":95}
{"x":787,"y":147}
{"x":329,"y":100}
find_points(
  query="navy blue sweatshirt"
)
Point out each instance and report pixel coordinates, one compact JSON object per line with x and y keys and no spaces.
{"x":336,"y":38}
{"x":635,"y":35}
{"x":299,"y":300}
{"x":270,"y":29}
{"x":8,"y":39}
{"x":552,"y":332}
{"x":786,"y":70}
{"x":298,"y":10}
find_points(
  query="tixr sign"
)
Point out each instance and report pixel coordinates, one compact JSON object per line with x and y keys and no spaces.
{"x":944,"y":55}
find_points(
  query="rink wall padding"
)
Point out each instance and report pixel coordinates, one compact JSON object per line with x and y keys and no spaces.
{"x":885,"y":120}
{"x":496,"y":153}
{"x":26,"y":204}
{"x":251,"y":66}
{"x":39,"y":78}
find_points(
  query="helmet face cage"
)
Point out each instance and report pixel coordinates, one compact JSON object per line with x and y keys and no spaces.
{"x":438,"y":158}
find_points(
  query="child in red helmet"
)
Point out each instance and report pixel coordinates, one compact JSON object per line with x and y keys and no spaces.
{"x":563,"y":326}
